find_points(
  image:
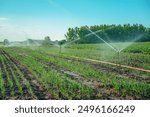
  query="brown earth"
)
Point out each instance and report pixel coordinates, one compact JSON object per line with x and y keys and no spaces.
{"x":39,"y":91}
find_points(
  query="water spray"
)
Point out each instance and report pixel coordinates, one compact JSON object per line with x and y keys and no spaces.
{"x":116,"y":50}
{"x":92,"y":33}
{"x":98,"y":32}
{"x":104,"y":34}
{"x":77,"y":38}
{"x":57,"y":45}
{"x":71,"y":42}
{"x":63,"y":43}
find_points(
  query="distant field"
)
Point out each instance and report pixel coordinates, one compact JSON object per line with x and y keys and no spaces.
{"x":54,"y":73}
{"x":1,"y":44}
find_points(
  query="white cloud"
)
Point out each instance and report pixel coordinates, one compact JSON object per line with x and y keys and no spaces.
{"x":3,"y":18}
{"x":10,"y":32}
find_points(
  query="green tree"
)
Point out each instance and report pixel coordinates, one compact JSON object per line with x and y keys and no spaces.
{"x":6,"y":42}
{"x":47,"y":41}
{"x":71,"y":34}
{"x":112,"y":33}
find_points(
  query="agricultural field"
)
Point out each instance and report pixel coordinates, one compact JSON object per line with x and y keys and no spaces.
{"x":78,"y":71}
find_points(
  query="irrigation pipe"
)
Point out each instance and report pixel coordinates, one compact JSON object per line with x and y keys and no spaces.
{"x":114,"y":64}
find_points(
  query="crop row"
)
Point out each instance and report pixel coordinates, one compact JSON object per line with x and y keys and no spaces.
{"x":17,"y":82}
{"x":61,"y":87}
{"x":129,"y":56}
{"x":133,"y":88}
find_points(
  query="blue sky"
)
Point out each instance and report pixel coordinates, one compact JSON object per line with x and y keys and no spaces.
{"x":21,"y":19}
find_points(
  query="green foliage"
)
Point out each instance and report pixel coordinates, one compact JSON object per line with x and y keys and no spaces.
{"x":58,"y":83}
{"x":110,"y":33}
{"x":2,"y":89}
{"x":62,"y":87}
{"x":42,"y":63}
{"x":71,"y":34}
{"x":6,"y":42}
{"x":62,"y":42}
{"x":47,"y":41}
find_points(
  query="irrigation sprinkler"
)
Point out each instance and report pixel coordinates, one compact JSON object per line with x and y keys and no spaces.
{"x":102,"y":40}
{"x":60,"y":45}
{"x":109,"y":44}
{"x":70,"y":42}
{"x":118,"y":51}
{"x":60,"y":48}
{"x":64,"y":43}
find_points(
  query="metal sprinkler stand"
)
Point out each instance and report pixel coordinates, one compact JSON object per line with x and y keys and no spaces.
{"x":60,"y":48}
{"x":118,"y":57}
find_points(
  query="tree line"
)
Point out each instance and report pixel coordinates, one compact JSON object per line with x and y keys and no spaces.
{"x":109,"y":33}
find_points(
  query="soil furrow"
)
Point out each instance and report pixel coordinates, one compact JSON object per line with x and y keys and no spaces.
{"x":1,"y":96}
{"x":122,"y":72}
{"x":98,"y":87}
{"x":40,"y":92}
{"x":26,"y":94}
{"x":4,"y":76}
{"x":14,"y":89}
